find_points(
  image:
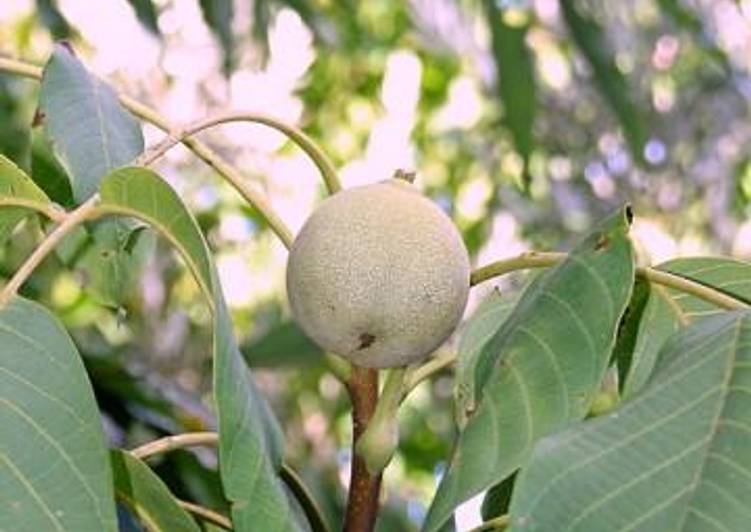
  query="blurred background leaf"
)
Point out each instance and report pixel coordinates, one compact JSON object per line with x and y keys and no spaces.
{"x":516,"y":83}
{"x":147,"y":14}
{"x":591,"y":41}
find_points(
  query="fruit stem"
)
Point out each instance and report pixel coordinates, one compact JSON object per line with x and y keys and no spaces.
{"x":364,"y":488}
{"x":380,"y":439}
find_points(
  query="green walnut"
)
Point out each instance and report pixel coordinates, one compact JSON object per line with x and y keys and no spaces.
{"x":379,"y":275}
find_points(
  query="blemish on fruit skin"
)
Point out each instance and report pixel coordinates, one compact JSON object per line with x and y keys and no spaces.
{"x":366,"y":340}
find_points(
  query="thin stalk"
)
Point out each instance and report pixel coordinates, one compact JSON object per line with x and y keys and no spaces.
{"x":537,"y":259}
{"x":289,"y":477}
{"x":434,"y":365}
{"x":178,"y":441}
{"x":74,"y":218}
{"x":50,"y":210}
{"x":308,"y":145}
{"x":496,"y":524}
{"x":364,"y":488}
{"x":210,"y":516}
{"x":381,"y":437}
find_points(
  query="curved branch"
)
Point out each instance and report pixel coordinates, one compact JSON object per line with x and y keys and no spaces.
{"x":496,"y":524}
{"x":50,"y":210}
{"x":525,"y":261}
{"x":73,"y":219}
{"x":308,"y":145}
{"x":537,"y":259}
{"x":435,"y":364}
{"x":287,"y":474}
{"x":308,"y":503}
{"x":206,"y":514}
{"x":178,"y":441}
{"x":230,"y":174}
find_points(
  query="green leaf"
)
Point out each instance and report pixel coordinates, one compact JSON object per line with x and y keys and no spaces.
{"x":53,"y":20}
{"x":260,"y":27}
{"x":675,"y":457}
{"x":47,"y":172}
{"x":250,"y":441}
{"x":285,"y":345}
{"x":114,"y":258}
{"x":590,"y":39}
{"x":516,"y":83}
{"x":668,"y":309}
{"x":728,"y":275}
{"x":218,"y":16}
{"x":90,"y":131}
{"x":146,"y":14}
{"x":146,"y":496}
{"x":476,"y":332}
{"x":54,"y":472}
{"x":19,"y":196}
{"x":498,"y":499}
{"x":544,"y":366}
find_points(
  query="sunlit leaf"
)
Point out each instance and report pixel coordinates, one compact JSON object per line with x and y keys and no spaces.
{"x":114,"y":258}
{"x":146,"y":496}
{"x":543,"y":367}
{"x":591,"y":41}
{"x":675,"y":457}
{"x":19,"y":196}
{"x":250,"y":446}
{"x":54,"y":471}
{"x":90,"y":131}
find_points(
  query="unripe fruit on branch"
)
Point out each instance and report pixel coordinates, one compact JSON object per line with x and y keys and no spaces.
{"x":379,"y":275}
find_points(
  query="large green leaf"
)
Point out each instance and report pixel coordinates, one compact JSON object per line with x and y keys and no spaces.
{"x":90,"y":131}
{"x":476,"y":332}
{"x":676,"y":457}
{"x":54,"y":472}
{"x":146,"y":496}
{"x":516,"y":83}
{"x":47,"y":172}
{"x":543,"y":367}
{"x":18,"y":197}
{"x":250,"y":446}
{"x":668,"y":309}
{"x":590,"y":39}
